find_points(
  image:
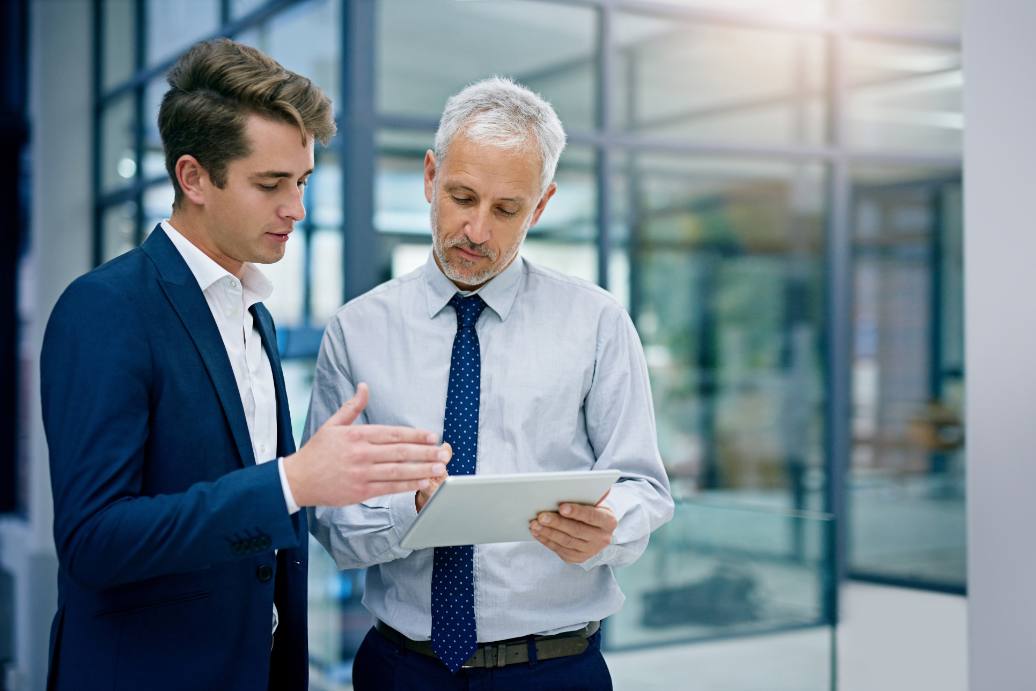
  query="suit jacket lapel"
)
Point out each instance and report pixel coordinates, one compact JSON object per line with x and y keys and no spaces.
{"x":187,"y":300}
{"x":263,"y":320}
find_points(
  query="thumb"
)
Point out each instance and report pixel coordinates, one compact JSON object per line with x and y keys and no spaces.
{"x":351,"y":409}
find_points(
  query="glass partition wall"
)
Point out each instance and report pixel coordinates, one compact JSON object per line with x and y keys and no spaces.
{"x":772,"y":189}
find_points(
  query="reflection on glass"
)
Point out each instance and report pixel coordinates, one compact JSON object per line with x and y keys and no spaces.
{"x":907,"y":480}
{"x":904,"y":97}
{"x":117,"y":228}
{"x":720,"y":571}
{"x":917,"y":15}
{"x":120,"y":41}
{"x":726,"y":288}
{"x":548,"y":47}
{"x":714,"y":83}
{"x":173,"y":26}
{"x":718,"y":568}
{"x":118,"y":158}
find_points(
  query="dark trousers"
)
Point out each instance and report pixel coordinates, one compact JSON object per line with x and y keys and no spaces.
{"x":381,"y":665}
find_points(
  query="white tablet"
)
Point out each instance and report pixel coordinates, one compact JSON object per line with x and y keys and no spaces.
{"x":476,"y":509}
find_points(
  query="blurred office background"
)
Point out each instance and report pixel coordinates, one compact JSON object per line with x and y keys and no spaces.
{"x":772,"y":189}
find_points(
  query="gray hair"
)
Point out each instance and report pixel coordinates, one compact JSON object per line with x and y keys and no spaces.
{"x":500,"y":112}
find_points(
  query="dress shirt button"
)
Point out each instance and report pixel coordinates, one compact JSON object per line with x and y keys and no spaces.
{"x":264,"y":573}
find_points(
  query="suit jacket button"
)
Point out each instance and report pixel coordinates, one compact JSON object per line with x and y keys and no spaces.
{"x":264,"y":573}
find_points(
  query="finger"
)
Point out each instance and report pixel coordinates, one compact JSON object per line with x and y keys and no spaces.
{"x":393,"y":472}
{"x":352,"y":408}
{"x":600,"y":516}
{"x":583,"y":531}
{"x":388,"y":434}
{"x":394,"y":453}
{"x":561,"y":537}
{"x":569,"y":555}
{"x":378,"y":489}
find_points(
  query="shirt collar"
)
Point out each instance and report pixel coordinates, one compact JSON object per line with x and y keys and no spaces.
{"x":499,"y":293}
{"x":207,"y":272}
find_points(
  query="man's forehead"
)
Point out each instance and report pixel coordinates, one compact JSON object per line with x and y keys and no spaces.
{"x":481,"y":166}
{"x":276,"y":146}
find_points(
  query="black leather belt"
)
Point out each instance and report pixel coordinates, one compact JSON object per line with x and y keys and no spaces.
{"x":513,"y":651}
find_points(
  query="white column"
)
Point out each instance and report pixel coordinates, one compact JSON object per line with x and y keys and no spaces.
{"x":59,"y":239}
{"x":1000,"y":311}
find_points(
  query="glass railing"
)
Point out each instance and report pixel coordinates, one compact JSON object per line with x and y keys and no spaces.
{"x":729,"y":597}
{"x":726,"y":597}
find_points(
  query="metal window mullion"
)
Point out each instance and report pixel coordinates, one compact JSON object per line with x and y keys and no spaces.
{"x":96,"y":134}
{"x":140,"y":61}
{"x":838,"y":316}
{"x":309,"y":198}
{"x":361,"y":246}
{"x":605,"y":83}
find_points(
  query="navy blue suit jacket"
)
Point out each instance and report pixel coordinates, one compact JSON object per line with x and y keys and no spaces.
{"x":165,"y":526}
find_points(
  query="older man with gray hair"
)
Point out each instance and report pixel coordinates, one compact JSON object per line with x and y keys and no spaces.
{"x":525,"y":370}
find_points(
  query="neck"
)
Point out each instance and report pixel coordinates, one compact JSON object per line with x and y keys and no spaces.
{"x":192,"y":227}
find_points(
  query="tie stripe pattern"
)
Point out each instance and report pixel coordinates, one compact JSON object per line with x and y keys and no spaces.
{"x":453,"y":589}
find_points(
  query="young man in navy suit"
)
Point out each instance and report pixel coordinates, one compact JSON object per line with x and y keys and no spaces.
{"x":176,"y":482}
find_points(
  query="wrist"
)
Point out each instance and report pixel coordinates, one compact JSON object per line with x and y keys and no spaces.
{"x":293,"y":475}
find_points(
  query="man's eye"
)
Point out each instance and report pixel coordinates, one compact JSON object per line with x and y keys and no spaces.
{"x":303,"y":183}
{"x":462,"y":200}
{"x":507,"y":212}
{"x":268,"y":188}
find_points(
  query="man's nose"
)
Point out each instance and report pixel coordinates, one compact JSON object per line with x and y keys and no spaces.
{"x":295,"y":209}
{"x":477,"y":228}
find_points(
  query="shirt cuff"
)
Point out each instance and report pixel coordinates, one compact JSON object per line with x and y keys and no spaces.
{"x":289,"y":500}
{"x":403,"y":513}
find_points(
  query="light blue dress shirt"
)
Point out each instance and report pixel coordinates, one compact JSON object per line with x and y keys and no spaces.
{"x":564,"y":387}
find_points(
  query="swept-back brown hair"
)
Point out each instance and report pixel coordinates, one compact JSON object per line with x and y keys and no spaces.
{"x":214,"y":87}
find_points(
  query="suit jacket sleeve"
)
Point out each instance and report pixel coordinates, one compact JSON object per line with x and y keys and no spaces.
{"x":97,"y":392}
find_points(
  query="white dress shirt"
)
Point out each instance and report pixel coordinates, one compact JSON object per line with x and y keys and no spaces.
{"x":229,"y":300}
{"x":564,"y":386}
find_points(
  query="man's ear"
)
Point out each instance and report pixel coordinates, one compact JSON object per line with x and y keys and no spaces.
{"x":551,"y":189}
{"x":193,"y":179}
{"x":429,"y":174}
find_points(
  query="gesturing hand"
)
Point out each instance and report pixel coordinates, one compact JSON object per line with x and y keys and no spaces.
{"x":423,"y":495}
{"x":577,"y":532}
{"x":345,"y":464}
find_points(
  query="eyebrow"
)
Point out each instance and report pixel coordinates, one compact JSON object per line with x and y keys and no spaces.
{"x":278,"y":174}
{"x":458,"y":187}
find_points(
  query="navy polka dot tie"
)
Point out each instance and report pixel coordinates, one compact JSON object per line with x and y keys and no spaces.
{"x":453,"y":584}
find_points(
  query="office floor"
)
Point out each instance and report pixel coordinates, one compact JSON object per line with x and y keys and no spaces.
{"x":890,"y":639}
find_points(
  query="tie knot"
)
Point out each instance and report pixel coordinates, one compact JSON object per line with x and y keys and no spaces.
{"x":467,"y":308}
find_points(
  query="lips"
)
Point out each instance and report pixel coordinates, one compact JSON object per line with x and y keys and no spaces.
{"x":468,"y":254}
